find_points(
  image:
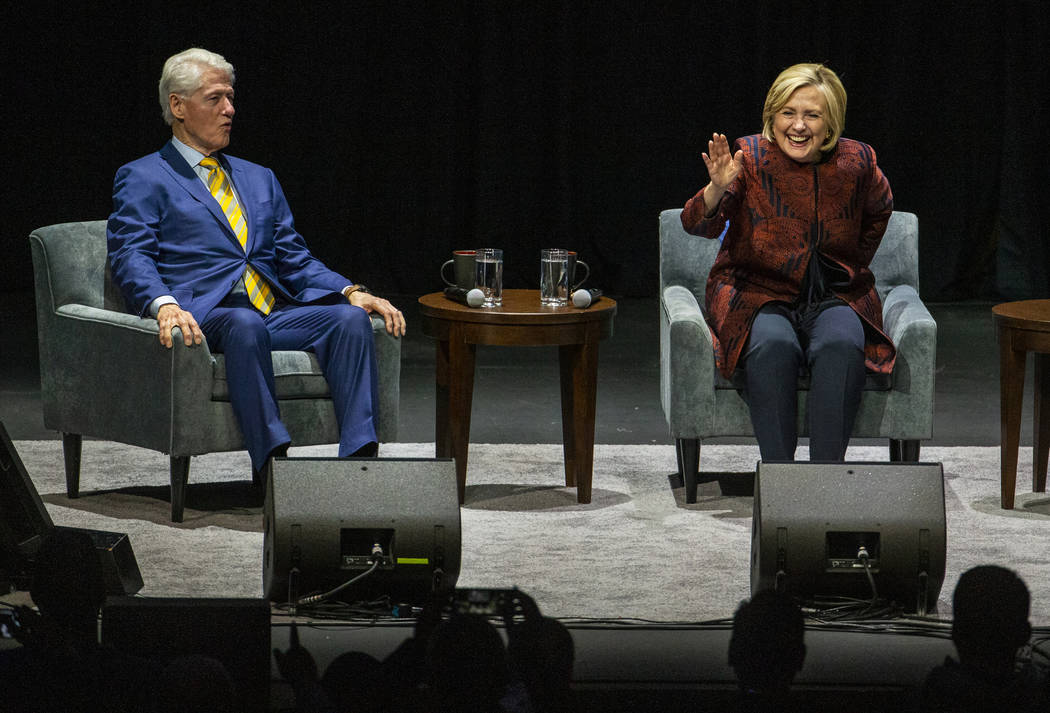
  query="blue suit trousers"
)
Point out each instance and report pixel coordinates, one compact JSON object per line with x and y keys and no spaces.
{"x":341,"y":337}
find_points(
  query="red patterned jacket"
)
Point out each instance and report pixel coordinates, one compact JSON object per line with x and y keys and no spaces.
{"x":779,"y":212}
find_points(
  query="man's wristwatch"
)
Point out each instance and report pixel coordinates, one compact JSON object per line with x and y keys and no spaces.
{"x":347,"y":291}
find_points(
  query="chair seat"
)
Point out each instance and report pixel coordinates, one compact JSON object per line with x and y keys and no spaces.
{"x":297,"y":375}
{"x":872,"y":381}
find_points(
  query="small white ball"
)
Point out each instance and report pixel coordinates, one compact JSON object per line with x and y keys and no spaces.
{"x":475,"y":297}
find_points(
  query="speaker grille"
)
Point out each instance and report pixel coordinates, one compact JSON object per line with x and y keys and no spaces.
{"x":816,"y":524}
{"x":324,"y":516}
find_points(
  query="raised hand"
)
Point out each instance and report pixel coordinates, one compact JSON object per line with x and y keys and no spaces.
{"x":296,"y":665}
{"x":722,"y":165}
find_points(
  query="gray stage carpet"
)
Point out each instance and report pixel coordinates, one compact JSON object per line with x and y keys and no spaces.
{"x":637,"y":551}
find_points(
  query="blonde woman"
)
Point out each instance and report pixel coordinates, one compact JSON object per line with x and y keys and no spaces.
{"x":790,"y":291}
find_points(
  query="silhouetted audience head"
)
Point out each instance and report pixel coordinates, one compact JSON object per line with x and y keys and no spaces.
{"x":766,"y":648}
{"x":542,"y":654}
{"x":545,"y":652}
{"x":68,"y":586}
{"x":466,"y":665}
{"x":355,"y":682}
{"x":991,"y":605}
{"x":195,"y":684}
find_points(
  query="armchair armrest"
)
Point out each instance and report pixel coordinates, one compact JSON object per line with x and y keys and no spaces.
{"x":687,"y":364}
{"x":905,"y":316}
{"x":913,"y":330}
{"x":388,"y":356}
{"x":129,"y":322}
{"x":97,"y":361}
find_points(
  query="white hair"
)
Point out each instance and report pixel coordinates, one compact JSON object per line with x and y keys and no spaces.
{"x":182,"y":75}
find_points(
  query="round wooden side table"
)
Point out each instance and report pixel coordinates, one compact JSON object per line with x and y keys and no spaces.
{"x":520,"y":321}
{"x":1023,"y":327}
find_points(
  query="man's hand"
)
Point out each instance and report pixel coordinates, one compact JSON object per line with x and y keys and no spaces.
{"x":170,"y":316}
{"x":395,"y":321}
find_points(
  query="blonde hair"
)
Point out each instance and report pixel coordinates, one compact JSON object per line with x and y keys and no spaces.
{"x":808,"y":75}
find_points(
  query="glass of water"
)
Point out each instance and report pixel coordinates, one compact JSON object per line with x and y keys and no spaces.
{"x":554,"y":277}
{"x":488,"y":270}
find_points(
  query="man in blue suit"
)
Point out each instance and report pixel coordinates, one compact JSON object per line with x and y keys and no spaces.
{"x":206,"y":242}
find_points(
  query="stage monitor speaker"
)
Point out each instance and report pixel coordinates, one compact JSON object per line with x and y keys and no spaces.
{"x":233,"y":631}
{"x":120,"y":569}
{"x":24,"y":521}
{"x":324,"y":518}
{"x":815,"y":524}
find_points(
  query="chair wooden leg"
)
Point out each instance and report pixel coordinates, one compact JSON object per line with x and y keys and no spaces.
{"x":180,"y":475}
{"x":71,"y":448}
{"x":687,"y":451}
{"x":904,"y":451}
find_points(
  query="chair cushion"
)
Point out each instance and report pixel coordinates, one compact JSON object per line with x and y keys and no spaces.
{"x":872,"y":381}
{"x":297,"y":375}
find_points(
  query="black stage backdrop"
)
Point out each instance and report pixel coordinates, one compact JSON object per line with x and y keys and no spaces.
{"x":403,"y":130}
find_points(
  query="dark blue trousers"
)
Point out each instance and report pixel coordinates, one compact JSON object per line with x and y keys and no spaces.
{"x":341,"y":337}
{"x":828,"y":339}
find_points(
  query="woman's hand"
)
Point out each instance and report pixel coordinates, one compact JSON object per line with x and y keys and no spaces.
{"x":723,"y":167}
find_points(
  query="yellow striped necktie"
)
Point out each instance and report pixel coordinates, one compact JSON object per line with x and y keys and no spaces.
{"x":259,"y":291}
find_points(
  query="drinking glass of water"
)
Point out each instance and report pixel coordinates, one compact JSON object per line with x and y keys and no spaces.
{"x":488,"y":265}
{"x":554,"y":277}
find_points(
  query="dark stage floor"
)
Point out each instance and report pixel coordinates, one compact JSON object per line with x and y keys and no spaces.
{"x":516,"y":392}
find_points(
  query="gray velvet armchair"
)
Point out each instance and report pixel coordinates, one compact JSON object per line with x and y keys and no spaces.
{"x":105,"y":375}
{"x":700,"y":404}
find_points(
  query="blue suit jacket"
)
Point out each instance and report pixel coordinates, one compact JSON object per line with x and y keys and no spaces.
{"x":168,"y":236}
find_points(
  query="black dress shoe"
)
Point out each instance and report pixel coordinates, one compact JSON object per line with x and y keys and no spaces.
{"x":368,"y":450}
{"x":260,"y":475}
